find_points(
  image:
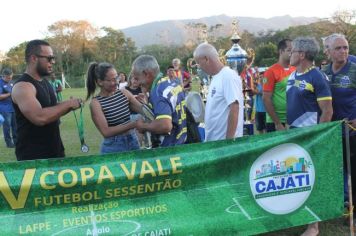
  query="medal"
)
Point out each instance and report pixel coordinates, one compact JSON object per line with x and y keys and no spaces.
{"x":85,"y":148}
{"x":80,"y":125}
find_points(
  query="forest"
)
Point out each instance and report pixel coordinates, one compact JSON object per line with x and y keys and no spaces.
{"x":77,"y":43}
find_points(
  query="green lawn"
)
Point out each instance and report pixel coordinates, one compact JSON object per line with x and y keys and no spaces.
{"x":69,"y":132}
{"x":93,"y":138}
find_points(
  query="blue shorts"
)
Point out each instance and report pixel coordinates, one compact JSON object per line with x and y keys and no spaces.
{"x":120,"y":143}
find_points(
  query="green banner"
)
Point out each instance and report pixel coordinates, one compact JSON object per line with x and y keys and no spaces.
{"x":245,"y":186}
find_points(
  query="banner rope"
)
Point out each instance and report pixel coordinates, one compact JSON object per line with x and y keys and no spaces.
{"x":346,"y":121}
{"x":353,"y":128}
{"x":349,"y":212}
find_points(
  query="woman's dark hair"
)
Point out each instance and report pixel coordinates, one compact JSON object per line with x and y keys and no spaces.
{"x":121,"y":72}
{"x":95,"y":72}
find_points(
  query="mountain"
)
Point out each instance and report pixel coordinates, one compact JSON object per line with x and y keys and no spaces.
{"x":178,"y":31}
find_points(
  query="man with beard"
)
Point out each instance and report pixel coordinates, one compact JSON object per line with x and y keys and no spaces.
{"x":36,"y":108}
{"x":274,"y":88}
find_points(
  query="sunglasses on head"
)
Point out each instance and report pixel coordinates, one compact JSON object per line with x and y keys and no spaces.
{"x":49,"y":58}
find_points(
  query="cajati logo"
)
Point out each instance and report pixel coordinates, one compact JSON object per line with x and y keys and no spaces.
{"x":282,"y":178}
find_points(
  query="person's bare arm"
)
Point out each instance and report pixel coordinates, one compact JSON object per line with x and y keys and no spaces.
{"x":101,"y":123}
{"x":254,"y":89}
{"x":232,"y":120}
{"x":4,"y":96}
{"x":267,"y":100}
{"x":24,"y":95}
{"x":326,"y":110}
{"x":135,"y":105}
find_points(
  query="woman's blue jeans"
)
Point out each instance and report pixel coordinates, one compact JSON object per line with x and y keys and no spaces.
{"x":120,"y":143}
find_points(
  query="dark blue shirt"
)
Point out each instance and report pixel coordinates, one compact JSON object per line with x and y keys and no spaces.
{"x":6,"y":104}
{"x":168,"y":101}
{"x":343,"y":89}
{"x":352,"y":58}
{"x":303,"y":93}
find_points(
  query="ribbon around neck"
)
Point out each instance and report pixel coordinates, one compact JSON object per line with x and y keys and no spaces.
{"x":80,"y":126}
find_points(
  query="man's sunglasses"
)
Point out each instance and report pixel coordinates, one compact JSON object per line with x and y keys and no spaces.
{"x":49,"y":58}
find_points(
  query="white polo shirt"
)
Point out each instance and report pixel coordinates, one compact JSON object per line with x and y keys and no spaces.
{"x":225,"y":88}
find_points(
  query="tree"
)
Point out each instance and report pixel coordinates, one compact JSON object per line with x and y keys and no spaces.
{"x":71,"y":41}
{"x":165,"y":54}
{"x":248,"y":40}
{"x":344,"y":22}
{"x":129,"y":54}
{"x":115,"y":48}
{"x":266,"y":54}
{"x":77,"y":43}
{"x":110,"y":45}
{"x":15,"y":58}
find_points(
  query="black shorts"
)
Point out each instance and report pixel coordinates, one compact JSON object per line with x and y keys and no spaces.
{"x":260,"y":121}
{"x":352,"y":162}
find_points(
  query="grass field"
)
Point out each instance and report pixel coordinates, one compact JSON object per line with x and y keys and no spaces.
{"x":93,"y":139}
{"x":69,"y":132}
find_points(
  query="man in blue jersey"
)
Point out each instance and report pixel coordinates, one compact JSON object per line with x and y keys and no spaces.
{"x":308,"y":93}
{"x":342,"y":74}
{"x":326,"y":43}
{"x":167,"y":100}
{"x":6,"y":108}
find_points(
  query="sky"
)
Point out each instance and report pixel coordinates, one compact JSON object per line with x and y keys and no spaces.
{"x":24,"y":20}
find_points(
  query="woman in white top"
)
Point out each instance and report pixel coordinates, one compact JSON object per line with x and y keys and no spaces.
{"x":121,"y":80}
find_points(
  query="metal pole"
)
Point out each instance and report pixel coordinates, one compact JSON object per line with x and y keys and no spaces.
{"x":348,"y":165}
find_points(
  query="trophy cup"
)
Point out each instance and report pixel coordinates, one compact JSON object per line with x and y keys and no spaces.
{"x":236,"y":57}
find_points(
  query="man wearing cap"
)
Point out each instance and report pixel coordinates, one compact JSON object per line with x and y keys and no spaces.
{"x":6,"y":108}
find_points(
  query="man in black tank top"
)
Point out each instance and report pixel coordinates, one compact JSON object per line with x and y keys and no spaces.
{"x":36,"y":108}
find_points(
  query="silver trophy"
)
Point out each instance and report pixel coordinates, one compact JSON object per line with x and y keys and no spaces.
{"x":148,"y":116}
{"x":236,"y":57}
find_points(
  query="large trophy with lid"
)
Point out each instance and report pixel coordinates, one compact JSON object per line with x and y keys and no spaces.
{"x":236,"y":57}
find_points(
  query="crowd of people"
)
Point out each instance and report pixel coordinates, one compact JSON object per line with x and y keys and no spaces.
{"x":296,"y":93}
{"x":291,"y":93}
